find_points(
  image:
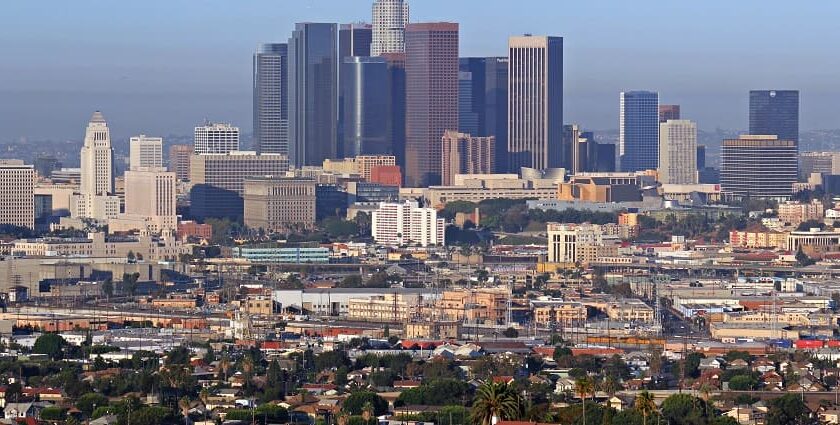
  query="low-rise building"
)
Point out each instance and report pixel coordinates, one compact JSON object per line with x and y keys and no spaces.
{"x":794,"y":213}
{"x":630,"y":310}
{"x":296,"y":255}
{"x":279,"y":203}
{"x":559,"y":313}
{"x":100,"y":245}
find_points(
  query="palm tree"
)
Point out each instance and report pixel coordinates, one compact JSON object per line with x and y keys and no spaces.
{"x":367,"y":411}
{"x":498,"y":400}
{"x":224,"y":365}
{"x":583,"y":387}
{"x":184,"y":405}
{"x":645,"y":405}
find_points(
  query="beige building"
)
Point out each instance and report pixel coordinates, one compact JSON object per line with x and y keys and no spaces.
{"x":228,"y":171}
{"x":678,"y":152}
{"x":179,"y":161}
{"x":484,"y":305}
{"x":794,"y":213}
{"x":463,"y":153}
{"x":275,"y":203}
{"x":258,"y":305}
{"x":145,"y":152}
{"x":366,"y":163}
{"x":583,"y":243}
{"x":758,"y":237}
{"x":98,"y":245}
{"x":477,"y":188}
{"x":381,"y":308}
{"x":150,"y":198}
{"x":561,"y":313}
{"x":630,"y":310}
{"x":97,"y":174}
{"x":16,"y":194}
{"x":433,"y":330}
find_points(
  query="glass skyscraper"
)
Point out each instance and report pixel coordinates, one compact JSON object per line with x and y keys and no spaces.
{"x":365,"y":95}
{"x":271,"y":109}
{"x":638,"y":136}
{"x":775,"y":112}
{"x":313,"y":93}
{"x":487,"y":101}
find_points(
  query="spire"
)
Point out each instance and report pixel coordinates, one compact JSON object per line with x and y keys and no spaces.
{"x":97,"y":117}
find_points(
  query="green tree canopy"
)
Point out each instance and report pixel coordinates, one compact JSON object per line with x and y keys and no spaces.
{"x":50,"y":344}
{"x":355,"y":403}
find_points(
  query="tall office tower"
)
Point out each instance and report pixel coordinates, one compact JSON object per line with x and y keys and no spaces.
{"x":701,"y":157}
{"x":390,"y":18}
{"x":365,"y":96}
{"x":467,"y":117}
{"x":462,"y":153}
{"x":818,"y":162}
{"x":431,"y":71}
{"x":150,"y":197}
{"x":758,"y":166}
{"x":488,"y":101}
{"x":17,"y":194}
{"x":604,"y":157}
{"x":578,"y":145}
{"x":396,"y":108}
{"x":216,"y":138}
{"x":218,"y":180}
{"x":313,"y":94}
{"x":775,"y":112}
{"x":678,"y":152}
{"x":145,"y":151}
{"x":638,"y":134}
{"x":669,"y":112}
{"x":279,"y":203}
{"x":398,"y":223}
{"x":271,"y":96}
{"x":354,"y":40}
{"x":535,"y":102}
{"x":97,"y":174}
{"x":179,"y":161}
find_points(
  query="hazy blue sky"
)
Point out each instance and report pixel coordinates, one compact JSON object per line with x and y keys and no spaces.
{"x":161,"y":66}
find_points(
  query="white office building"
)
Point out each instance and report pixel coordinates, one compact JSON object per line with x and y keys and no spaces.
{"x":145,"y":152}
{"x":389,"y":20}
{"x":150,"y":201}
{"x":405,"y":223}
{"x":678,"y":152}
{"x":216,"y":138}
{"x":97,"y":174}
{"x":16,"y":194}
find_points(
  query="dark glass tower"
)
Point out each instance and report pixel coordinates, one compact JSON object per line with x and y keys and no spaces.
{"x":775,"y":112}
{"x":639,"y":130}
{"x":271,"y":109}
{"x":313,"y":93}
{"x":396,"y":110}
{"x":487,"y":101}
{"x":364,"y":90}
{"x":353,"y":40}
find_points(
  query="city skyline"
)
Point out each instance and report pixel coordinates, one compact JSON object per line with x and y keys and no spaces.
{"x":166,"y":79}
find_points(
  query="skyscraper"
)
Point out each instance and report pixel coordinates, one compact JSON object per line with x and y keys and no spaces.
{"x":669,"y":112}
{"x":313,"y":93}
{"x":145,"y":151}
{"x":179,"y":161}
{"x":775,"y":112}
{"x":216,"y":138}
{"x":354,"y":40}
{"x":396,"y":107}
{"x":465,"y":154}
{"x":467,"y":116}
{"x":97,"y":175}
{"x":389,"y":20}
{"x":488,"y":101}
{"x":638,"y":136}
{"x":364,"y":90}
{"x":150,"y":196}
{"x":431,"y":69}
{"x":535,"y":99}
{"x":271,"y":96}
{"x":678,"y":152}
{"x":758,"y":166}
{"x":17,"y":194}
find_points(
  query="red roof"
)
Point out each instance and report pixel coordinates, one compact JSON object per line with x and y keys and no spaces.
{"x":596,"y":351}
{"x":502,"y":379}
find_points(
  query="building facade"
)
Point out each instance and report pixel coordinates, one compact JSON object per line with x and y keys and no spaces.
{"x":271,"y":97}
{"x":407,"y":223}
{"x":97,"y":174}
{"x":278,"y":203}
{"x":669,"y":112}
{"x":17,"y":194}
{"x":678,"y":152}
{"x":313,"y":93}
{"x":145,"y":151}
{"x":535,"y":102}
{"x":365,"y":101}
{"x":431,"y":68}
{"x":179,"y":161}
{"x":818,"y":162}
{"x":150,"y":197}
{"x":389,"y":20}
{"x":759,"y":166}
{"x":488,"y":101}
{"x":216,"y":138}
{"x":577,"y":243}
{"x":638,"y":134}
{"x":775,"y":112}
{"x":465,"y":154}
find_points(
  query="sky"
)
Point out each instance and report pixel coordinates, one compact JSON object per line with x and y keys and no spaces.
{"x":160,"y":67}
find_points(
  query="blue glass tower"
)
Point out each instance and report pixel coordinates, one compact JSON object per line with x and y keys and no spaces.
{"x":775,"y":112}
{"x":639,"y":130}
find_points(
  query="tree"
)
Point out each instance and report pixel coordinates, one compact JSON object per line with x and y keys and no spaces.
{"x":184,"y":405}
{"x":742,"y":383}
{"x":510,"y":333}
{"x":87,"y":403}
{"x":331,"y":360}
{"x":803,"y":259}
{"x":53,"y":413}
{"x":129,"y":283}
{"x":789,"y":409}
{"x":645,"y":405}
{"x":692,"y":364}
{"x":224,"y":366}
{"x":108,"y":287}
{"x":685,"y":409}
{"x":583,"y":387}
{"x":355,"y":403}
{"x":50,"y":344}
{"x":498,"y":400}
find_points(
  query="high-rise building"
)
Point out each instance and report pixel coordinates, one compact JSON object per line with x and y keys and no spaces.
{"x":407,"y":223}
{"x":278,"y":203}
{"x":145,"y":151}
{"x":462,"y":153}
{"x":578,"y":145}
{"x":216,"y":138}
{"x":396,"y":108}
{"x":758,"y":166}
{"x":535,"y":102}
{"x":354,"y":40}
{"x":218,"y":180}
{"x":467,"y":117}
{"x":701,"y":157}
{"x":271,"y":97}
{"x":313,"y":93}
{"x":488,"y":101}
{"x":638,"y":134}
{"x":431,"y":68}
{"x":389,"y":20}
{"x":818,"y":162}
{"x":669,"y":112}
{"x":775,"y":112}
{"x":97,"y":174}
{"x":179,"y":161}
{"x":150,"y":197}
{"x":365,"y":96}
{"x":678,"y":152}
{"x":17,"y":194}
{"x":366,"y":163}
